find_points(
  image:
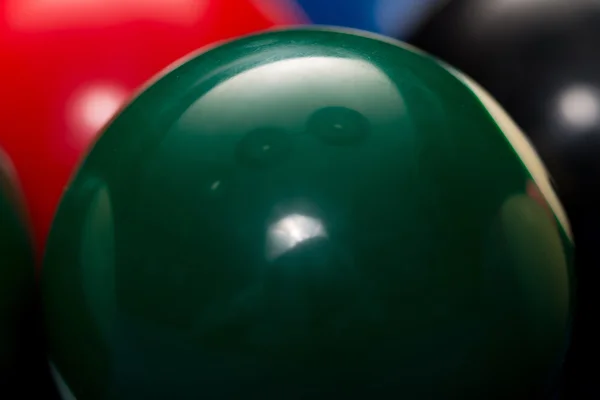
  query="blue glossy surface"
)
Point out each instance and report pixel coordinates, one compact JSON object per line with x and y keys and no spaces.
{"x":391,"y":17}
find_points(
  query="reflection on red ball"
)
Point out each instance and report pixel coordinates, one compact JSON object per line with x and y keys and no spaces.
{"x":70,"y":65}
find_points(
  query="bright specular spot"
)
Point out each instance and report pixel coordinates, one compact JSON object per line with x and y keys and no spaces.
{"x":61,"y":385}
{"x":579,"y":106}
{"x":290,"y":231}
{"x":94,"y":106}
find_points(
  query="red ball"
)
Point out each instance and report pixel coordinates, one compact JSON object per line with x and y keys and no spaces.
{"x":70,"y":65}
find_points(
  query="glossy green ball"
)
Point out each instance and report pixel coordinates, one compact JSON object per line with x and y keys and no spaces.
{"x":308,"y":214}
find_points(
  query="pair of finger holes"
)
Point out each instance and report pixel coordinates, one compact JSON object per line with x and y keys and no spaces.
{"x":336,"y":126}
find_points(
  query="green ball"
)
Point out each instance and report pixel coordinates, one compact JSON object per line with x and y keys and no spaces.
{"x":309,"y":213}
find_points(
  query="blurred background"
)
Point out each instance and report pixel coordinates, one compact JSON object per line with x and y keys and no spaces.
{"x":67,"y":66}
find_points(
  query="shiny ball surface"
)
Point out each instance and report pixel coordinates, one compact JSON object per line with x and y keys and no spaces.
{"x":305,"y":214}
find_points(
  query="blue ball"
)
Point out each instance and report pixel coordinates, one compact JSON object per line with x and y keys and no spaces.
{"x":390,"y":17}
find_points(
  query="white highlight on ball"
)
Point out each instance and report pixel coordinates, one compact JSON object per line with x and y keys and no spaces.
{"x":360,"y":85}
{"x":579,"y":106}
{"x":92,"y":107}
{"x":61,"y":385}
{"x":290,"y":231}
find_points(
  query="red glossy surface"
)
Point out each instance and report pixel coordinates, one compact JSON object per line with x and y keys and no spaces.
{"x":68,"y":65}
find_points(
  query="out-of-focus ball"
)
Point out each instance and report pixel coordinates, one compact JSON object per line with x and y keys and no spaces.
{"x":309,"y":213}
{"x":391,"y":17}
{"x":16,"y":285}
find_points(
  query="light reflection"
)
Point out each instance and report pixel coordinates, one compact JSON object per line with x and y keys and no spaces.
{"x":7,"y":168}
{"x":92,"y":107}
{"x":290,"y":231}
{"x":547,"y":7}
{"x":579,"y":107}
{"x":262,"y":94}
{"x":489,"y":16}
{"x":538,"y":256}
{"x":60,"y":384}
{"x":39,"y":15}
{"x":97,"y":252}
{"x":215,"y":185}
{"x":11,"y":185}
